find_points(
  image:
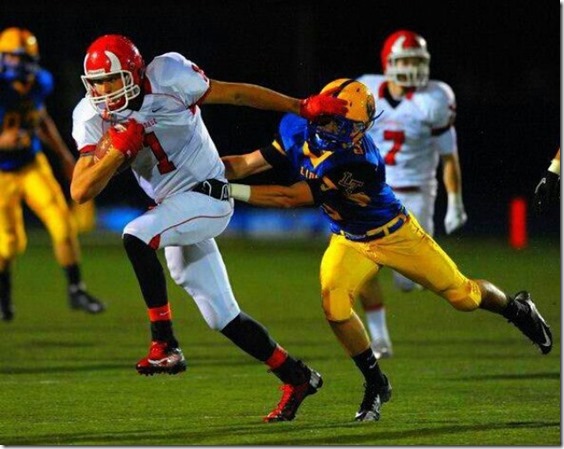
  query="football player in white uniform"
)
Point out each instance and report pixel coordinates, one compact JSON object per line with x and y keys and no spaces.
{"x":414,"y":133}
{"x":177,"y":164}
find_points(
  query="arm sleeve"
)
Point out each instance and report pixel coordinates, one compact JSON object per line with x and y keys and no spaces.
{"x":275,"y":155}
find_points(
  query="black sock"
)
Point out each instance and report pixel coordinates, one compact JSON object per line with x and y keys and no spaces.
{"x":6,"y":286}
{"x":73,"y":276}
{"x":292,"y":372}
{"x":162,"y":331}
{"x":368,"y":365}
{"x":512,"y":309}
{"x":148,"y":270}
{"x":251,"y":336}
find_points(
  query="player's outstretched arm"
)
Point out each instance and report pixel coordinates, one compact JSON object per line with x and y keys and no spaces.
{"x":252,"y":95}
{"x":296,"y":195}
{"x":243,"y":165}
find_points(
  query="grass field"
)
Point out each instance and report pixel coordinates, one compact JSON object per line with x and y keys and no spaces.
{"x":67,"y":378}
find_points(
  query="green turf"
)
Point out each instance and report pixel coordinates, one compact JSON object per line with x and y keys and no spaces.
{"x":67,"y":378}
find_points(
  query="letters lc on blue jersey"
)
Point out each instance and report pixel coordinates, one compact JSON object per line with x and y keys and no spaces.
{"x":19,"y":111}
{"x":349,"y":185}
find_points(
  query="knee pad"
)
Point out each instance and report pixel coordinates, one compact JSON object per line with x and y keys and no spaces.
{"x":465,"y":298}
{"x":337,"y":304}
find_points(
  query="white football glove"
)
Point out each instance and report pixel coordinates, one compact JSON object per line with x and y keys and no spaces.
{"x":456,"y":215}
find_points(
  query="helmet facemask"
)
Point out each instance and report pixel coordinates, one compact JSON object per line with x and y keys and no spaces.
{"x":115,"y":101}
{"x":408,"y":75}
{"x":334,"y":132}
{"x":17,"y":67}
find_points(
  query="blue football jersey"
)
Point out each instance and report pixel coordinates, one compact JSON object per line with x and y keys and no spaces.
{"x":351,"y":188}
{"x":19,"y":110}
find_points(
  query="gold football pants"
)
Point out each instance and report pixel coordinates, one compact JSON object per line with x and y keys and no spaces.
{"x":36,"y":185}
{"x":346,"y":265}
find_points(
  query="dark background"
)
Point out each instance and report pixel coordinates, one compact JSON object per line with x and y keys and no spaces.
{"x":502,"y":59}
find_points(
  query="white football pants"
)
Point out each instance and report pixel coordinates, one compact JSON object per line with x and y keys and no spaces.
{"x":185,"y":225}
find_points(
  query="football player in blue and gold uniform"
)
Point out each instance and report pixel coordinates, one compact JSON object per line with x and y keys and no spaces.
{"x":341,"y":170}
{"x":25,"y":173}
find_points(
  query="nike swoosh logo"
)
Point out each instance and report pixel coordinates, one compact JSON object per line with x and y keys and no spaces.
{"x":547,"y":341}
{"x":156,"y":110}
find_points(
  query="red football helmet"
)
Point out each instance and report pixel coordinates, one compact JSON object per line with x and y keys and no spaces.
{"x":406,"y":44}
{"x":108,"y":56}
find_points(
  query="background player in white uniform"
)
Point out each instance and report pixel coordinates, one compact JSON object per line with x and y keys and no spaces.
{"x":177,"y":164}
{"x":415,"y":132}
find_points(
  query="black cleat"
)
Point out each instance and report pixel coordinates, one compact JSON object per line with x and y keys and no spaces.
{"x":529,"y":321}
{"x":6,"y":309}
{"x":82,"y":300}
{"x":294,"y":395}
{"x":374,"y":397}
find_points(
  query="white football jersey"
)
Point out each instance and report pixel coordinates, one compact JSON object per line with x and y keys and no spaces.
{"x":178,"y":151}
{"x":414,"y":134}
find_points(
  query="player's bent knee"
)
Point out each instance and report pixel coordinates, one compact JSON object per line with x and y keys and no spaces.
{"x":337,"y":304}
{"x":465,"y":298}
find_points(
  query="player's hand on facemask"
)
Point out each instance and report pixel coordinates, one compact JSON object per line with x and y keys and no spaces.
{"x":547,"y":192}
{"x":456,"y":215}
{"x":127,"y":138}
{"x":322,"y":104}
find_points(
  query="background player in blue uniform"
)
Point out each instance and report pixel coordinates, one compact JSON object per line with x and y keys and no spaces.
{"x":343,"y":173}
{"x":25,"y":174}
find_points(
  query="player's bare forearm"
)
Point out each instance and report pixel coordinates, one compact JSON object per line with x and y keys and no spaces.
{"x":297,"y":195}
{"x":452,"y":176}
{"x":241,"y":166}
{"x":251,"y":95}
{"x":90,"y":177}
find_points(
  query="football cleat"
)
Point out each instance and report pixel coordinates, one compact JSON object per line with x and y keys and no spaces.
{"x":529,"y":321}
{"x":382,"y":348}
{"x":293,"y":396}
{"x":162,"y":359}
{"x":80,"y":299}
{"x":374,"y":397}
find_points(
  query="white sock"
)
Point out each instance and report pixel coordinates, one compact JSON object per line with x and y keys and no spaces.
{"x":376,"y":320}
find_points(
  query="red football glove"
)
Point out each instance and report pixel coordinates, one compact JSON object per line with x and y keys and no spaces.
{"x":128,"y":140}
{"x":322,"y":104}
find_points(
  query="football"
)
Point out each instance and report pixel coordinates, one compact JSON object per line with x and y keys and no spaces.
{"x":103,"y":146}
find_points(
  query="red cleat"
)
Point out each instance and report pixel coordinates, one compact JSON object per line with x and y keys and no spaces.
{"x":293,"y":396}
{"x":162,"y":359}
